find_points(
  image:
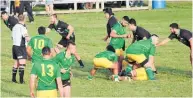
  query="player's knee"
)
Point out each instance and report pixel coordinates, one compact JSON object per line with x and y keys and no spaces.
{"x":22,"y":66}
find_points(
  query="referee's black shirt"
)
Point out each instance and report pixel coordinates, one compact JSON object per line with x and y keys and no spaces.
{"x":140,"y":33}
{"x":183,"y":36}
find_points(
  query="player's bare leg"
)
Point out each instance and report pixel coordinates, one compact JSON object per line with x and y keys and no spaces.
{"x":67,"y":91}
{"x":92,"y":73}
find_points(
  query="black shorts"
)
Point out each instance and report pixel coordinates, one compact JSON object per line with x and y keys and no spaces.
{"x":64,"y":41}
{"x":66,"y":83}
{"x":19,"y":52}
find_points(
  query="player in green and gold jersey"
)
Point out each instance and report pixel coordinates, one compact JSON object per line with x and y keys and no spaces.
{"x":117,"y":35}
{"x":106,"y":59}
{"x":65,"y":59}
{"x":36,"y":44}
{"x":47,"y":71}
{"x":142,"y":53}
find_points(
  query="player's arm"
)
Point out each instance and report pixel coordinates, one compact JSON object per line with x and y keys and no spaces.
{"x":163,"y":42}
{"x":190,"y":40}
{"x":105,"y":38}
{"x":71,"y":30}
{"x":49,"y":28}
{"x":113,"y":34}
{"x":29,"y":52}
{"x":32,"y":85}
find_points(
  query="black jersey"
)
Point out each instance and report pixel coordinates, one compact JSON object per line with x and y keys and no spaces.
{"x":11,"y":22}
{"x":184,"y":36}
{"x":61,"y":28}
{"x":110,"y":24}
{"x":140,"y":33}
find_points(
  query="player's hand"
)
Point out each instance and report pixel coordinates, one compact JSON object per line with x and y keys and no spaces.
{"x":63,"y":70}
{"x":129,"y":36}
{"x":125,"y":36}
{"x":71,"y":74}
{"x":32,"y":95}
{"x":29,"y":58}
{"x":67,"y":37}
{"x":105,"y":39}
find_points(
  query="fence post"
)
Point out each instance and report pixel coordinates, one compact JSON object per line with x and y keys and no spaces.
{"x":75,"y":5}
{"x":102,"y":4}
{"x":97,"y":4}
{"x":127,"y":4}
{"x":150,"y":4}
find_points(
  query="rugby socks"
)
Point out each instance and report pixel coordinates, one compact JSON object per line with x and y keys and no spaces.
{"x":116,"y":78}
{"x":81,"y":64}
{"x":90,"y":77}
{"x":14,"y":73}
{"x":128,"y":69}
{"x":21,"y":73}
{"x":150,"y":73}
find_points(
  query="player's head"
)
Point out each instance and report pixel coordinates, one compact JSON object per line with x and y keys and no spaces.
{"x":46,"y":51}
{"x":53,"y":18}
{"x":4,"y":15}
{"x":132,"y":24}
{"x":108,"y":12}
{"x":173,"y":27}
{"x":110,"y":48}
{"x":41,"y":30}
{"x":21,"y":18}
{"x":125,"y":21}
{"x":155,"y":39}
{"x":71,"y":46}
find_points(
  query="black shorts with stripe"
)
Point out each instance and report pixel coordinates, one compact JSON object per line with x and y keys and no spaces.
{"x":19,"y":52}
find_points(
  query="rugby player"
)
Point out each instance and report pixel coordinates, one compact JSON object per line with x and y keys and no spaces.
{"x":139,"y":33}
{"x":182,"y":35}
{"x":111,"y":21}
{"x":117,"y":35}
{"x":9,"y":21}
{"x":65,"y":59}
{"x":47,"y":72}
{"x":142,"y":52}
{"x":36,"y":44}
{"x":106,"y":59}
{"x":67,"y":33}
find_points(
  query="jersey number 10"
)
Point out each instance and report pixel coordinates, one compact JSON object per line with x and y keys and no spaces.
{"x":50,"y":70}
{"x":39,"y":44}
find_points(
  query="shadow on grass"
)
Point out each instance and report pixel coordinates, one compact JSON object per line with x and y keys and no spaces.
{"x":176,"y":71}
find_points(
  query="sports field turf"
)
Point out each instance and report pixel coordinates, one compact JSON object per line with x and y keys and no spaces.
{"x":171,"y":60}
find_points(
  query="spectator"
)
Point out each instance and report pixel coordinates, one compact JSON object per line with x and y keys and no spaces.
{"x":26,"y":5}
{"x":89,"y":5}
{"x":136,"y":3}
{"x":17,"y":7}
{"x":49,"y":7}
{"x":12,"y":7}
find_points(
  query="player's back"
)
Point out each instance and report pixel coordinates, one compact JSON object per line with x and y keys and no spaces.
{"x":47,"y":71}
{"x":37,"y":43}
{"x":107,"y":54}
{"x":140,"y":47}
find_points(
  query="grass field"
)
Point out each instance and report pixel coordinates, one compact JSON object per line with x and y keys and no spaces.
{"x":172,"y":60}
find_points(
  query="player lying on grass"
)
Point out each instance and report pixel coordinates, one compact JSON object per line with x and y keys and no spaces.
{"x":36,"y":44}
{"x":142,"y":52}
{"x":65,"y":59}
{"x":117,"y":39}
{"x":184,"y":36}
{"x":67,"y":33}
{"x":106,"y":59}
{"x":47,"y":72}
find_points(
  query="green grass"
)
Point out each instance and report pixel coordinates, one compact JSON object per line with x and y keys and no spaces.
{"x":171,"y":60}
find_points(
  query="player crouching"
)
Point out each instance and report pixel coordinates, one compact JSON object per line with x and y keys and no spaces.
{"x":141,"y":53}
{"x":106,"y":59}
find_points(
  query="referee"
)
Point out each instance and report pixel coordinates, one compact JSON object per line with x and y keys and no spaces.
{"x":139,"y":33}
{"x":19,"y":36}
{"x":9,"y":21}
